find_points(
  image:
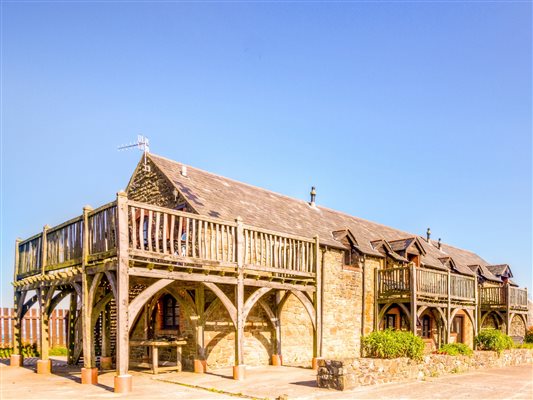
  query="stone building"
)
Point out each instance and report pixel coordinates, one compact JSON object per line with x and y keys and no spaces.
{"x":236,"y":275}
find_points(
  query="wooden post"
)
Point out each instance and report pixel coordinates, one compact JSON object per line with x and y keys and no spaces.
{"x":44,"y":249}
{"x":239,"y":367}
{"x":123,"y":381}
{"x":17,"y":259}
{"x":413,"y":300}
{"x":15,"y":359}
{"x":476,"y":308}
{"x":508,"y":308}
{"x":448,"y":308}
{"x":200,"y":361}
{"x":71,"y":336}
{"x":89,"y":373}
{"x":376,"y":296}
{"x":44,"y":364}
{"x":317,"y":343}
{"x":276,"y":356}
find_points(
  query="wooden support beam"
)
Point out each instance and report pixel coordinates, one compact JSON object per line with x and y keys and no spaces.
{"x":86,"y":298}
{"x":239,"y":303}
{"x":318,"y":266}
{"x":122,"y":378}
{"x":199,"y":300}
{"x":71,"y":333}
{"x":508,"y":308}
{"x":43,"y":365}
{"x":448,"y":308}
{"x":413,"y":299}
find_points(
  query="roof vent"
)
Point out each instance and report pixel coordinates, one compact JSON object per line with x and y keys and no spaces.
{"x":184,"y":170}
{"x":428,"y":235}
{"x":313,"y":196}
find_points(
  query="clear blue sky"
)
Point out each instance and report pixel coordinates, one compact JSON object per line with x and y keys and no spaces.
{"x":412,"y":114}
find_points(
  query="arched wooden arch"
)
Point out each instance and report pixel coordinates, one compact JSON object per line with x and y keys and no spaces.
{"x":521,"y":316}
{"x":253,"y":299}
{"x":57,"y":299}
{"x":389,"y":305}
{"x":484,"y":317}
{"x":306,"y":302}
{"x":138,"y":302}
{"x":230,"y":308}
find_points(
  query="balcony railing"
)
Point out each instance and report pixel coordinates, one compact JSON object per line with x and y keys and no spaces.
{"x":430,"y":285}
{"x":501,"y":296}
{"x":170,"y":238}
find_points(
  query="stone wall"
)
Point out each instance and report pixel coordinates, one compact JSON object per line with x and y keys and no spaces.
{"x":348,"y":374}
{"x":341,"y":307}
{"x":153,"y":187}
{"x":296,"y":334}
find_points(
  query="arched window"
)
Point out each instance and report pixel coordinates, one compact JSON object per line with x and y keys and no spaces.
{"x":171,"y":312}
{"x":426,"y":326}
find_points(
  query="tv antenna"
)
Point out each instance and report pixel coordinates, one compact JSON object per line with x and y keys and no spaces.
{"x":142,"y":144}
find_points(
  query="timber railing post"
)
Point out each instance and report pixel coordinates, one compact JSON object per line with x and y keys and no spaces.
{"x":508,"y":308}
{"x":476,"y":307}
{"x":89,"y":372}
{"x":44,"y":364}
{"x":413,"y":299}
{"x":123,"y":380}
{"x":44,"y":249}
{"x":317,"y":347}
{"x":239,"y":367}
{"x":449,"y":307}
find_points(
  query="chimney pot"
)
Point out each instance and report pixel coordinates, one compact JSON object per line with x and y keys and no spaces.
{"x":428,"y":235}
{"x":184,"y":170}
{"x":438,"y":244}
{"x":313,"y":196}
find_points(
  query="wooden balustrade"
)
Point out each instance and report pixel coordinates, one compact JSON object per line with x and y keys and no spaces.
{"x":463,"y":287}
{"x":156,"y":230}
{"x":269,"y":251}
{"x":517,"y":298}
{"x":29,"y":256}
{"x":394,"y":281}
{"x":64,"y":244}
{"x":102,"y":224}
{"x":430,"y":284}
{"x":495,"y":296}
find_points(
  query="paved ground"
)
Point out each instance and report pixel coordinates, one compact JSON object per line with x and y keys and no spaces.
{"x":264,"y":382}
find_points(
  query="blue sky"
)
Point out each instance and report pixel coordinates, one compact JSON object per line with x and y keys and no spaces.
{"x":411,"y":114}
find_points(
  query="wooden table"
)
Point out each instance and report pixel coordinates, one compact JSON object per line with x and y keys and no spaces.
{"x":153,"y":346}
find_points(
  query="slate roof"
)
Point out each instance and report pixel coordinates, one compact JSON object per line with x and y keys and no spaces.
{"x":216,"y":196}
{"x":499,"y":269}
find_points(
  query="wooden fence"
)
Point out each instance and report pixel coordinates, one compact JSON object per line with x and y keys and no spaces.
{"x":30,"y":327}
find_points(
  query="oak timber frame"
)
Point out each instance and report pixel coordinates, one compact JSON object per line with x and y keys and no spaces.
{"x":97,"y":257}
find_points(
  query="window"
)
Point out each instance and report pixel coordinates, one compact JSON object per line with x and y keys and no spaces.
{"x":171,"y":312}
{"x":390,"y":321}
{"x":426,"y":326}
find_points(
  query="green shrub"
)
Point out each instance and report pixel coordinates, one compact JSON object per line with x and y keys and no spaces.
{"x":58,"y":351}
{"x":455,"y":349}
{"x":529,"y":335}
{"x":493,"y":339}
{"x":393,"y":344}
{"x":27,"y":350}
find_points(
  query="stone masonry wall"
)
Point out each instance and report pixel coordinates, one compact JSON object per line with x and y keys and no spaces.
{"x":342,"y":304}
{"x":296,"y":334}
{"x":348,"y":374}
{"x":371,"y":264}
{"x":153,"y":187}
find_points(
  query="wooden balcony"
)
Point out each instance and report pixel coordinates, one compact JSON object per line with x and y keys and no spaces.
{"x":167,"y":241}
{"x":503,"y":298}
{"x":426,"y":286}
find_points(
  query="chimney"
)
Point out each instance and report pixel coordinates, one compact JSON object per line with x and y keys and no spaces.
{"x":184,"y":170}
{"x":428,"y":235}
{"x":438,"y":244}
{"x":313,"y":196}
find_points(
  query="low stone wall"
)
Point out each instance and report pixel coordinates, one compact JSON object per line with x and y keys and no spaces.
{"x":350,"y":373}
